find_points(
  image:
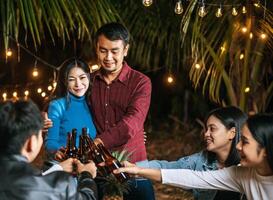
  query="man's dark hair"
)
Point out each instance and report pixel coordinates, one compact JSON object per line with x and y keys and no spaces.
{"x":18,"y":121}
{"x":113,"y":31}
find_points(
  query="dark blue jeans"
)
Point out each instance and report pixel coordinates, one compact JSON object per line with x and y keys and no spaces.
{"x":140,"y":189}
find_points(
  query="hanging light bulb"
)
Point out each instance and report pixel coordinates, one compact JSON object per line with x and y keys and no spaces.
{"x":178,"y":7}
{"x":234,"y":11}
{"x":263,"y":36}
{"x":26,"y":93}
{"x":54,"y":84}
{"x":94,"y":68}
{"x":244,"y":29}
{"x":8,"y":52}
{"x":170,"y":79}
{"x":219,"y":12}
{"x":49,"y":88}
{"x":247,"y":89}
{"x":4,"y":95}
{"x":147,"y":3}
{"x":244,"y":10}
{"x":202,"y":11}
{"x":197,"y":66}
{"x":39,"y":90}
{"x":35,"y":72}
{"x":14,"y":94}
{"x":257,"y":4}
{"x":250,"y":35}
{"x":43,"y":94}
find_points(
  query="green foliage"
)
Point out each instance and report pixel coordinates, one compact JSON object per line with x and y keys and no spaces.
{"x":57,"y":18}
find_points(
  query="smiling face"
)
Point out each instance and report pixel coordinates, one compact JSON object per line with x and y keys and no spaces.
{"x":77,"y":82}
{"x":217,"y":137}
{"x":252,"y":155}
{"x":111,"y":53}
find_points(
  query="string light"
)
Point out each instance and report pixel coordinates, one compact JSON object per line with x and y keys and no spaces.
{"x":257,"y":4}
{"x":202,"y":10}
{"x":263,"y":36}
{"x":219,"y":12}
{"x":170,"y":79}
{"x":197,"y":66}
{"x":4,"y":95}
{"x":244,"y":29}
{"x":250,"y":35}
{"x":26,"y":93}
{"x":241,"y":56}
{"x":94,"y":68}
{"x":234,"y":11}
{"x":178,"y":7}
{"x":54,"y":84}
{"x":14,"y":94}
{"x":8,"y":52}
{"x":49,"y":88}
{"x":244,"y":10}
{"x":35,"y":72}
{"x":39,"y":90}
{"x":247,"y":89}
{"x":147,"y":3}
{"x":43,"y":94}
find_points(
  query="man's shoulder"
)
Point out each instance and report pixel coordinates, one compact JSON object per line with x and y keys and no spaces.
{"x":137,"y":75}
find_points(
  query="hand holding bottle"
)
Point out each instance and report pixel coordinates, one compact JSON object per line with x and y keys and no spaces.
{"x":60,"y":154}
{"x":89,"y":167}
{"x":67,"y":165}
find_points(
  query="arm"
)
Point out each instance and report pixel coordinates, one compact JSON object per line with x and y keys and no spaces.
{"x":52,"y":138}
{"x":224,"y":179}
{"x":188,"y":162}
{"x":133,"y":120}
{"x":153,"y":174}
{"x":87,"y":187}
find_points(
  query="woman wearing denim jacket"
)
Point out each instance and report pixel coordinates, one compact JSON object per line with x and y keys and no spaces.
{"x":223,"y":131}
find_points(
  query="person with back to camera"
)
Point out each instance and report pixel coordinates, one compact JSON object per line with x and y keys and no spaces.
{"x":254,"y":176}
{"x":120,"y":99}
{"x":223,"y":132}
{"x":71,"y":108}
{"x":21,"y":126}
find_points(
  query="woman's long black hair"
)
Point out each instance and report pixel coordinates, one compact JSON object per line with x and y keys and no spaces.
{"x":261,"y":128}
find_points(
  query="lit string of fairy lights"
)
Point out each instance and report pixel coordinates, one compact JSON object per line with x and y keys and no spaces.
{"x":203,"y":11}
{"x":25,"y":90}
{"x":234,"y":9}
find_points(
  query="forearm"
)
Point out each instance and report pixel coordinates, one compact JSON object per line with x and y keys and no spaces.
{"x":153,"y":174}
{"x":87,"y":185}
{"x":188,"y":179}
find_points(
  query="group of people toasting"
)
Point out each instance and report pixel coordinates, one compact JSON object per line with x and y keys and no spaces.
{"x":112,"y":103}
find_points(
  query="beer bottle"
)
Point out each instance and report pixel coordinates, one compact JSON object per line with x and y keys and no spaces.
{"x":69,"y":153}
{"x":88,"y":151}
{"x":111,"y":163}
{"x":74,"y":144}
{"x":71,"y":149}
